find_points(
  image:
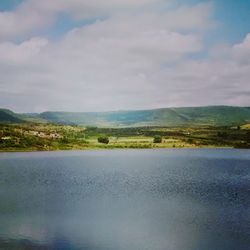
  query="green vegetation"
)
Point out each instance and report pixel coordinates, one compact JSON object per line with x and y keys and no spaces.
{"x":44,"y":136}
{"x":214,"y":126}
{"x":171,"y":117}
{"x":157,"y":139}
{"x":103,"y":139}
{"x":212,"y":115}
{"x":9,"y":116}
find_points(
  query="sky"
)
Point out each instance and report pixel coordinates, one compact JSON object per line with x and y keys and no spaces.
{"x":102,"y":55}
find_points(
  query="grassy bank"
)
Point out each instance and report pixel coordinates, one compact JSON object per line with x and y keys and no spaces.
{"x":47,"y":137}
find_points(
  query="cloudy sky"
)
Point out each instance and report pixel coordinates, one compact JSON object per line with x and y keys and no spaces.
{"x":97,"y":55}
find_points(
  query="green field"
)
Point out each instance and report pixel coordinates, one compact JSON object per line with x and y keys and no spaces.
{"x":43,"y":136}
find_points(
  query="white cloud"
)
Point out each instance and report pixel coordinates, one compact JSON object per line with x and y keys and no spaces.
{"x":85,"y":8}
{"x":216,"y":80}
{"x":241,"y":51}
{"x":13,"y":54}
{"x":22,"y":21}
{"x":127,"y":61}
{"x":32,"y":15}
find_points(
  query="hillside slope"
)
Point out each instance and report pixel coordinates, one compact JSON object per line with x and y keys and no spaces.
{"x":7,"y":116}
{"x":211,"y":115}
{"x":187,"y":116}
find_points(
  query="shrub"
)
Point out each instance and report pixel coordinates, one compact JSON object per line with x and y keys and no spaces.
{"x":190,"y":141}
{"x":222,"y":134}
{"x":103,"y":139}
{"x":157,"y":139}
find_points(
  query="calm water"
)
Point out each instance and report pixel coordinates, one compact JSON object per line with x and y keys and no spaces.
{"x":126,"y":200}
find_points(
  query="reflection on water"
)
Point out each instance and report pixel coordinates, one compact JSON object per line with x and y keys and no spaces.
{"x":126,"y":199}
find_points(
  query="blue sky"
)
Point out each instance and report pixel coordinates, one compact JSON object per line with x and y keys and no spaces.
{"x":9,"y":4}
{"x":233,"y":16}
{"x":126,"y":54}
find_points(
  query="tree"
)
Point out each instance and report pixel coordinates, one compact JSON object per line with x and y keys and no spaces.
{"x":103,"y":139}
{"x":190,"y":141}
{"x":157,"y":139}
{"x":222,"y":134}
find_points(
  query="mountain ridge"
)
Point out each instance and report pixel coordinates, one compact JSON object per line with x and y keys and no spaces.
{"x":219,"y":115}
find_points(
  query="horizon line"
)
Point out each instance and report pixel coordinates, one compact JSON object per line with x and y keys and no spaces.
{"x":125,"y":110}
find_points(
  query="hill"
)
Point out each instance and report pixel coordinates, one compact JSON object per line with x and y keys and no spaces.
{"x":186,"y":116}
{"x":7,"y":116}
{"x":211,"y":115}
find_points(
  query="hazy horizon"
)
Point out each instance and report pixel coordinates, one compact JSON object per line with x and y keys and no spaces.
{"x":81,"y":56}
{"x":123,"y":110}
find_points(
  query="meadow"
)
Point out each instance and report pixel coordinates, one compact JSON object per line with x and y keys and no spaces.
{"x":46,"y":137}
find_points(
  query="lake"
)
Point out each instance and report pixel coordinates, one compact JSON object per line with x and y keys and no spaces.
{"x":164,"y":199}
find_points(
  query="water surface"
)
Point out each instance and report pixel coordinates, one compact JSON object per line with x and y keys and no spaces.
{"x":126,"y":200}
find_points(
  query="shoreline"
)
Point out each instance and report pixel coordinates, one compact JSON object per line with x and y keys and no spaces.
{"x":113,"y":148}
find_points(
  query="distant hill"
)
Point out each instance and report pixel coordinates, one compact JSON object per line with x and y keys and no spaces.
{"x":7,"y":116}
{"x":210,"y":115}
